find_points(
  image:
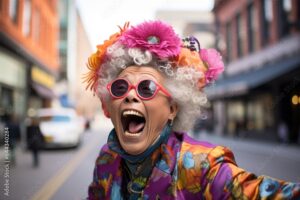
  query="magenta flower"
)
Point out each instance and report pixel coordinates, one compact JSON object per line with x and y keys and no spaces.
{"x":154,"y":36}
{"x":213,"y":61}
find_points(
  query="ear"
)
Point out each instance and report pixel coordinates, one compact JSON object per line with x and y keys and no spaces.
{"x":173,"y":110}
{"x":104,"y":108}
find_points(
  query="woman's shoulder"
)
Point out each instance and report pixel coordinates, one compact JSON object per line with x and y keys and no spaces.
{"x":106,"y":156}
{"x":189,"y":143}
{"x":191,"y":147}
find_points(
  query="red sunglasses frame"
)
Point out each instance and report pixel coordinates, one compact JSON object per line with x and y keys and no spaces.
{"x":135,"y":87}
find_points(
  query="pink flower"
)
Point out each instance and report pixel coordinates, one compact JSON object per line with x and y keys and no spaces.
{"x":154,"y":36}
{"x":213,"y":61}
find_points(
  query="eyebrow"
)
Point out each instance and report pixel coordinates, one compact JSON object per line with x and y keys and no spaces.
{"x":141,"y":75}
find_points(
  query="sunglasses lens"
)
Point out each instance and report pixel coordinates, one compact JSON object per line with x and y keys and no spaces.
{"x":147,"y":88}
{"x":119,"y":87}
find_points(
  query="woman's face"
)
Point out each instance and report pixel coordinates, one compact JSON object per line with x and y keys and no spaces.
{"x":139,"y":122}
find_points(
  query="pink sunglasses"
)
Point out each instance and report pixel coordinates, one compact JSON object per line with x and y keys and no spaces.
{"x":145,"y":89}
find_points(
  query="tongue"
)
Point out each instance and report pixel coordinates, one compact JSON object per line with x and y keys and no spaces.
{"x":135,"y":127}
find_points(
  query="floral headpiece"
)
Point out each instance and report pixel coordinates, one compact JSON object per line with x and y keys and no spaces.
{"x":161,"y":40}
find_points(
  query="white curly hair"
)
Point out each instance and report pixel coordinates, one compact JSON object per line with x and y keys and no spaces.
{"x":181,"y":82}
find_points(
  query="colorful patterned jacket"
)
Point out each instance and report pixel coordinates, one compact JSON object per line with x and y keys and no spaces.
{"x":189,"y":169}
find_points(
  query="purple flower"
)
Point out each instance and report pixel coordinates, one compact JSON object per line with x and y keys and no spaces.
{"x":154,"y":36}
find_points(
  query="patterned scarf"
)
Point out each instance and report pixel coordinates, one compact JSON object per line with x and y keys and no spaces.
{"x":137,"y":168}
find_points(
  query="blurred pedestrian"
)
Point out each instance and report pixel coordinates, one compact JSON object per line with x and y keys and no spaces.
{"x":283,"y":132}
{"x":35,"y":140}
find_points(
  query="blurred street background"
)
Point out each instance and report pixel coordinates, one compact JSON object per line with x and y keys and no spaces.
{"x":254,"y":107}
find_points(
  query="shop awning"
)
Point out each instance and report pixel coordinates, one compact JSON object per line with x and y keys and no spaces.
{"x":241,"y":83}
{"x":43,"y":91}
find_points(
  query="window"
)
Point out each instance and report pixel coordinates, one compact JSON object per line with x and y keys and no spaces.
{"x":1,"y":7}
{"x":260,"y":115}
{"x":36,"y":26}
{"x":285,"y":20}
{"x":267,"y":19}
{"x":239,"y":33}
{"x":13,"y":10}
{"x":252,"y":30}
{"x":228,"y":42}
{"x":26,"y":17}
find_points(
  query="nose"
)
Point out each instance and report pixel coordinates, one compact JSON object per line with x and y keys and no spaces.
{"x":132,"y":97}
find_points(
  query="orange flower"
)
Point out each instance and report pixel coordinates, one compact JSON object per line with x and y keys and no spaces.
{"x":97,"y":58}
{"x":188,"y":58}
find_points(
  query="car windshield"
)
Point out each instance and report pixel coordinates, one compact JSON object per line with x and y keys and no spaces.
{"x":55,"y":118}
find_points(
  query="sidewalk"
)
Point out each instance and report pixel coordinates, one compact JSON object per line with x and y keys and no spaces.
{"x":281,"y":161}
{"x":252,"y":145}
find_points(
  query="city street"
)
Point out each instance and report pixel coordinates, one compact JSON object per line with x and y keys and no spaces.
{"x":62,"y":174}
{"x":67,"y":66}
{"x":65,"y":174}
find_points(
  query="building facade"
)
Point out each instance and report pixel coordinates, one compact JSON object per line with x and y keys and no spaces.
{"x":29,"y":60}
{"x":259,"y":92}
{"x":199,"y":24}
{"x":74,"y":50}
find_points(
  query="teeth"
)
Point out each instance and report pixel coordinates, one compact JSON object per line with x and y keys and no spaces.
{"x":132,"y":134}
{"x":132,"y":112}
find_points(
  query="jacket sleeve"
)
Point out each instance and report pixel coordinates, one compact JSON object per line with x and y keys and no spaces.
{"x":106,"y":165}
{"x":95,"y":191}
{"x":225,"y":180}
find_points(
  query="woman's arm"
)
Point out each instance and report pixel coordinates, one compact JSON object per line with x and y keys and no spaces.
{"x":225,"y":179}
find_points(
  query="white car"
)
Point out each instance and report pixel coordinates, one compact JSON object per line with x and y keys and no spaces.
{"x":60,"y":127}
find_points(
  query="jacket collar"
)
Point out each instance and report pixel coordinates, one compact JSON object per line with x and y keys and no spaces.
{"x":162,"y":172}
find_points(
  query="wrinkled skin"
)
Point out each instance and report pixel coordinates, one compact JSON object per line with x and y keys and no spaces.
{"x":156,"y":111}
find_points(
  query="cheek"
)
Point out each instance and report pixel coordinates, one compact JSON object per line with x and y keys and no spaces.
{"x":113,"y":108}
{"x":158,"y":113}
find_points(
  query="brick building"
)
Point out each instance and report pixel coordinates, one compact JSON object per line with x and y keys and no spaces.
{"x":260,"y":89}
{"x":29,"y":60}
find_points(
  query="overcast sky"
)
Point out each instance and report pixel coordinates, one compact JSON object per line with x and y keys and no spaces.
{"x":101,"y":17}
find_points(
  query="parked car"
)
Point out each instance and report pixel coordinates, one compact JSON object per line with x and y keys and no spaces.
{"x":60,"y":127}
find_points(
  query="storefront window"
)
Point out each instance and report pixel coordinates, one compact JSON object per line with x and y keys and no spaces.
{"x":260,"y":113}
{"x":236,"y":113}
{"x":250,"y":115}
{"x":20,"y":102}
{"x":12,"y":71}
{"x":6,"y":101}
{"x":12,"y":86}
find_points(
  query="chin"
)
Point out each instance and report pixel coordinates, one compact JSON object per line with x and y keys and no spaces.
{"x":131,"y":144}
{"x":134,"y":150}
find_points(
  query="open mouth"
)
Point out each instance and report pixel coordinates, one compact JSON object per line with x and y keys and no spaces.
{"x":133,"y":122}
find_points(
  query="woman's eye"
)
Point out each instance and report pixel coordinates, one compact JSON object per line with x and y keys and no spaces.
{"x":145,"y":88}
{"x":122,"y":87}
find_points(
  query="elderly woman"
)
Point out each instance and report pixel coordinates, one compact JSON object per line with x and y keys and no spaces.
{"x":150,"y":83}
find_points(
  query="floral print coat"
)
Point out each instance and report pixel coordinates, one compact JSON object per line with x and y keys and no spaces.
{"x":190,"y":169}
